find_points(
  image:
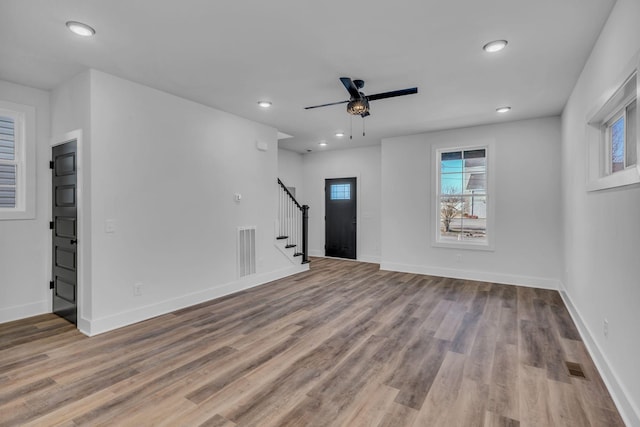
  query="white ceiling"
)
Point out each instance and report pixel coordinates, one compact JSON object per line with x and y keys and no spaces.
{"x":229,"y":54}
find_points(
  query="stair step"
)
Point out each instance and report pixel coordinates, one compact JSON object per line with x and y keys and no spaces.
{"x":290,"y":246}
{"x":298,"y":254}
{"x":282,"y":237}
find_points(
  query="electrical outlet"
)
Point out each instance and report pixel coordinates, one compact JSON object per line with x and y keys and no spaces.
{"x":605,"y":328}
{"x":137,"y":289}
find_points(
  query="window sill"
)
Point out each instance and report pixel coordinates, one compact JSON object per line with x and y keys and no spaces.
{"x":13,"y":214}
{"x":623,"y":178}
{"x":463,"y":245}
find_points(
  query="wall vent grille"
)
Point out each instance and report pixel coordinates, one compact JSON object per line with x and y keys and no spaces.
{"x":246,"y":250}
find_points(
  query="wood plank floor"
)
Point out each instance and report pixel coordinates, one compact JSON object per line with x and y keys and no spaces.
{"x":343,"y":344}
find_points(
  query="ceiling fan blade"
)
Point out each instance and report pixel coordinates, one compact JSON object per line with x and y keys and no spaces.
{"x":401,"y":92}
{"x":365,"y":114}
{"x":326,"y":105}
{"x":351,"y":87}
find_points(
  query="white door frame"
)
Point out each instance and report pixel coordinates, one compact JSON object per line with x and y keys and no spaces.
{"x":82,"y":323}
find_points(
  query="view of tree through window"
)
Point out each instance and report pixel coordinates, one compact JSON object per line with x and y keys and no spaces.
{"x":622,"y":133}
{"x":463,"y":195}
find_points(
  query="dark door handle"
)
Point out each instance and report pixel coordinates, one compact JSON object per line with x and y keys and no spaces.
{"x":74,"y":241}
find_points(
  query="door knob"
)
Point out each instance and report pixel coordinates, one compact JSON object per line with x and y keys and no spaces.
{"x":74,"y":241}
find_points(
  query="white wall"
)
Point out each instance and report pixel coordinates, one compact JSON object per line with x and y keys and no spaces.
{"x":527,"y":233}
{"x":362,"y":163}
{"x":165,"y":170}
{"x":290,"y":170}
{"x":70,"y":112}
{"x":602,"y":228}
{"x":24,"y":272}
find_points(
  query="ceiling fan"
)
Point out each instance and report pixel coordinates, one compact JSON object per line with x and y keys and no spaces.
{"x":358,"y":103}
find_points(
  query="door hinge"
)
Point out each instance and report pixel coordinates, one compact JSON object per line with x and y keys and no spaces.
{"x":51,"y":164}
{"x":51,"y":284}
{"x":50,"y":225}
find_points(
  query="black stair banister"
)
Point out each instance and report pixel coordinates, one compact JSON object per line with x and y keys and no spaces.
{"x":305,"y":234}
{"x":293,"y":224}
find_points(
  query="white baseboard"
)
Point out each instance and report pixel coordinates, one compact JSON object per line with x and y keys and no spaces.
{"x":629,"y":412}
{"x":481,"y":276}
{"x":375,"y":259}
{"x":118,"y":320}
{"x":16,"y":312}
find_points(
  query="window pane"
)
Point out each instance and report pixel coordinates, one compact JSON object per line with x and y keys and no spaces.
{"x":617,"y":145}
{"x":474,"y":154}
{"x":463,"y":218}
{"x":476,"y":182}
{"x":7,"y":174}
{"x":340,"y":191}
{"x":454,"y":155}
{"x":451,"y":173}
{"x":450,"y":210}
{"x":632,"y":135}
{"x":7,"y":197}
{"x":451,"y":183}
{"x":7,"y":138}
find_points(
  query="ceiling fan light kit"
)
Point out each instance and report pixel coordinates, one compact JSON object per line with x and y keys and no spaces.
{"x":358,"y":107}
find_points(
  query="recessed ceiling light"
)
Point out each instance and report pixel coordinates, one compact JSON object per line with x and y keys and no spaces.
{"x":80,"y":29}
{"x":339,"y":134}
{"x":503,"y":109}
{"x":264,"y":104}
{"x":495,"y":46}
{"x":322,"y":144}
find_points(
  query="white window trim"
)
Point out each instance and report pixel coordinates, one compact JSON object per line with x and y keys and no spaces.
{"x":488,"y":245}
{"x":25,"y":149}
{"x":599,"y":176}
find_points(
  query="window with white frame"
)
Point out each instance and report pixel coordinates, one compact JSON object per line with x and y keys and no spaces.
{"x":10,"y":164}
{"x":17,"y":157}
{"x":612,"y":138}
{"x":620,"y":133}
{"x":462,"y":193}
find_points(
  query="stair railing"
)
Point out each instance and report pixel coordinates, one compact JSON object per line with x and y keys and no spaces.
{"x":293,"y":223}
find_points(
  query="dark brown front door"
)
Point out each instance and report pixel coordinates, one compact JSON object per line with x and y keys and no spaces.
{"x":65,"y":231}
{"x":340,"y":220}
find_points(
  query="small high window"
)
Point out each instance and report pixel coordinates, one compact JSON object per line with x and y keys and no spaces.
{"x":612,"y":138}
{"x":621,"y":138}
